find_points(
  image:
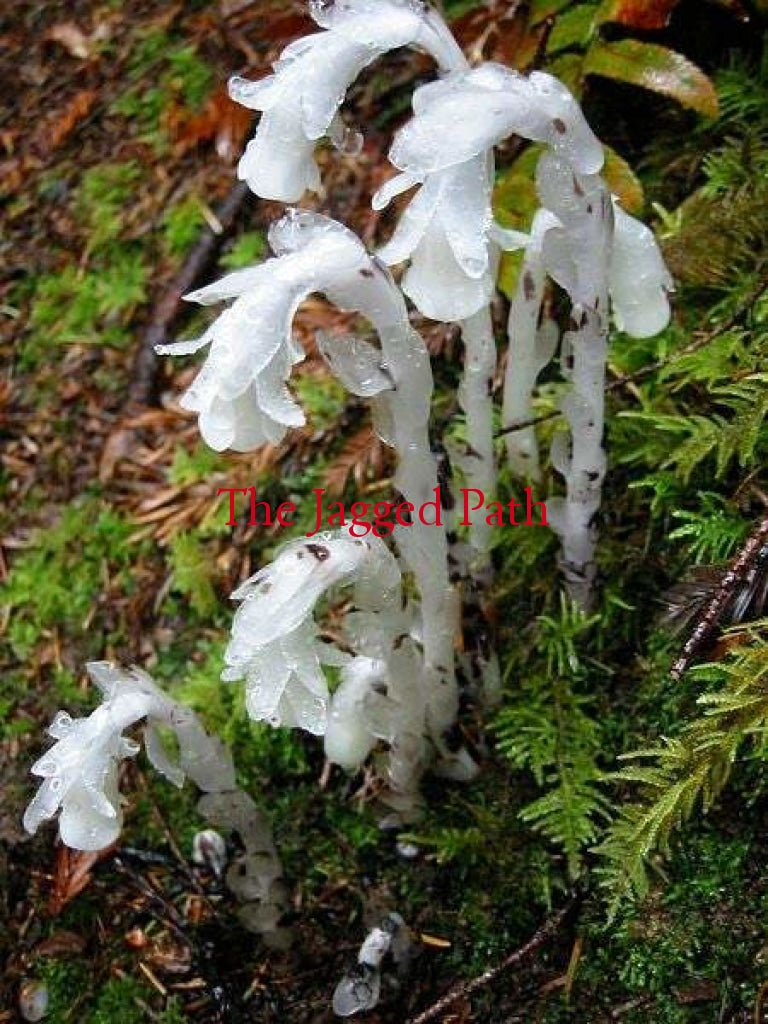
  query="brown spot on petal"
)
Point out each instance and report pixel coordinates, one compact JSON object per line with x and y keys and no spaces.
{"x":321,"y":553}
{"x":559,"y":125}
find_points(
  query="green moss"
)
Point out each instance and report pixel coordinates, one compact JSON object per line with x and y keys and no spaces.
{"x":182,"y":224}
{"x":104,"y":199}
{"x":249,"y":248}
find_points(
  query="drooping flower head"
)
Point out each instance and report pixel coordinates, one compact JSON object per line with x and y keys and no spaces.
{"x":80,"y":771}
{"x":240,"y":394}
{"x":448,"y":231}
{"x":275,"y":645}
{"x":300,"y":101}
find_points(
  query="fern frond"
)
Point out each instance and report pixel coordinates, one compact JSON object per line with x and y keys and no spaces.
{"x":547,"y":729}
{"x":686,"y":771}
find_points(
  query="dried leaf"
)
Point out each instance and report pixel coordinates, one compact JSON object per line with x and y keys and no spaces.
{"x":653,"y":67}
{"x":623,"y":182}
{"x":643,"y":14}
{"x":72,"y":38}
{"x":72,"y":875}
{"x":118,"y":445}
{"x":361,"y":456}
{"x":221,"y":119}
{"x":55,"y":130}
{"x":61,"y":943}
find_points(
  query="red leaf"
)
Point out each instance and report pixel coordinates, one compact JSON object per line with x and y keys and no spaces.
{"x":221,"y":119}
{"x":643,"y":14}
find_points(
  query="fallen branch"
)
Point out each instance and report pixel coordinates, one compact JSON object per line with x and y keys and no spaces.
{"x":143,"y":389}
{"x":465,"y":989}
{"x":711,"y":613}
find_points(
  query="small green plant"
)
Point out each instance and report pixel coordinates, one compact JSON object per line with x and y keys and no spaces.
{"x":691,"y":769}
{"x":182,"y":224}
{"x":546,"y":727}
{"x":58,"y":580}
{"x":192,"y":573}
{"x":250,"y":247}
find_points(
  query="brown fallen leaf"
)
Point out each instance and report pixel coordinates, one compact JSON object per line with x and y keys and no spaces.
{"x":118,"y":445}
{"x":644,"y":14}
{"x":221,"y":119}
{"x":61,"y":943}
{"x":72,"y":875}
{"x":56,"y":129}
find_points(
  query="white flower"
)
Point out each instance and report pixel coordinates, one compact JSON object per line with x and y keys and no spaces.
{"x":467,"y":113}
{"x":80,"y":771}
{"x":359,"y":700}
{"x":448,"y":232}
{"x":274,"y":644}
{"x":240,"y":394}
{"x":444,"y":232}
{"x":300,"y":101}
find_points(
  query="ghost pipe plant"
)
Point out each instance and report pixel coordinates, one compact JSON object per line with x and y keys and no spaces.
{"x":242,"y":400}
{"x":300,"y":101}
{"x":80,"y":774}
{"x":397,"y":696}
{"x":596,"y":252}
{"x":449,"y":235}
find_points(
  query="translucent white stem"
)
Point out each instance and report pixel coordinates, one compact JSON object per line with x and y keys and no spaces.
{"x":478,"y":463}
{"x":530,"y":349}
{"x":423,"y":546}
{"x":582,"y":462}
{"x":522,"y":369}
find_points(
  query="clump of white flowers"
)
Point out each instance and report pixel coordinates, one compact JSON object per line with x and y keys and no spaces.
{"x":397,"y":645}
{"x":80,"y":776}
{"x":80,"y":771}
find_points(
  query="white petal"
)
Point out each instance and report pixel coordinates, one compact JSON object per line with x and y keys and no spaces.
{"x":465,"y":212}
{"x":279,"y":161}
{"x":159,"y":757}
{"x":355,"y":362}
{"x":260,"y":95}
{"x":639,"y":281}
{"x":231,"y":285}
{"x":328,"y":71}
{"x":217,"y":424}
{"x":438,"y":285}
{"x":413,"y":223}
{"x":82,"y":827}
{"x":272,"y":395}
{"x":567,"y":131}
{"x":392,"y":188}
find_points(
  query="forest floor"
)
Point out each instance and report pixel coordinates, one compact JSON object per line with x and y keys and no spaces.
{"x":117,"y":148}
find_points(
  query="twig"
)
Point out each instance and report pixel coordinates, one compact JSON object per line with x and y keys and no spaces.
{"x":144,"y":383}
{"x":465,"y":989}
{"x":523,"y":424}
{"x":226,"y":1011}
{"x":710,"y":615}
